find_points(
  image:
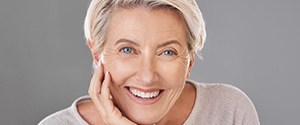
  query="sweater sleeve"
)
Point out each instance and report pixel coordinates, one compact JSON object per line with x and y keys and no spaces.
{"x":249,"y":116}
{"x":244,"y":112}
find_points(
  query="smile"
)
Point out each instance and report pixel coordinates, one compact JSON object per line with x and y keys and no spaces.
{"x":144,"y":96}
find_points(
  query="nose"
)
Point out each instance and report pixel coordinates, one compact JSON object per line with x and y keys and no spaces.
{"x":147,"y":73}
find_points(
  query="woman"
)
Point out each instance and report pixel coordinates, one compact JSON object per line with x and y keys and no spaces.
{"x":143,"y":52}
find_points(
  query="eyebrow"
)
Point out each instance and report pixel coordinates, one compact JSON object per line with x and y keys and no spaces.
{"x":159,"y":46}
{"x":168,"y":43}
{"x":126,"y":41}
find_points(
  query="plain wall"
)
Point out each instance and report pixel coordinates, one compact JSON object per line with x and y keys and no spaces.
{"x":45,"y":64}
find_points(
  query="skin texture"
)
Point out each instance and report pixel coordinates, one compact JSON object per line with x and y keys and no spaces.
{"x":144,"y":49}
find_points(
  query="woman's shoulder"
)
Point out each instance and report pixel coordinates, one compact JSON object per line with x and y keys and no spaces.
{"x":59,"y":117}
{"x":67,"y":116}
{"x":225,"y":102}
{"x":220,"y":92}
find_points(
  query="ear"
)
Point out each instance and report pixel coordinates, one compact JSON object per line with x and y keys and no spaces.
{"x":94,"y":54}
{"x":190,"y":66}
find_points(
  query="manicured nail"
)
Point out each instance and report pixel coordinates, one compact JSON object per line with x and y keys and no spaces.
{"x":106,"y":74}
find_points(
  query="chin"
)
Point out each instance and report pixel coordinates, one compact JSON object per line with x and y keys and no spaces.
{"x":144,"y":114}
{"x":145,"y":118}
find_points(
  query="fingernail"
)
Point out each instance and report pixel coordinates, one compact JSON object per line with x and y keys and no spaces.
{"x":106,"y":74}
{"x":101,"y":57}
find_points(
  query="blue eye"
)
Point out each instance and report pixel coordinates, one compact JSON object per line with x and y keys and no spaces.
{"x":126,"y":50}
{"x":169,"y":53}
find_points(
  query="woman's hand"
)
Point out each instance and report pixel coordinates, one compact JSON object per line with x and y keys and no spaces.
{"x":102,"y":99}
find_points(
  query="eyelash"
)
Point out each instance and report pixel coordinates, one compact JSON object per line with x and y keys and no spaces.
{"x":173,"y":53}
{"x":132,"y":50}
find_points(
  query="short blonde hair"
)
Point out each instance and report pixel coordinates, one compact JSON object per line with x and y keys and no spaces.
{"x":98,"y":14}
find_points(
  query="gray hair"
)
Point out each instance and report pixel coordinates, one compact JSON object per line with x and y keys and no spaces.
{"x":98,"y":14}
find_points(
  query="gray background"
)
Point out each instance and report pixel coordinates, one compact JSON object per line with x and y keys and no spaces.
{"x":45,"y":65}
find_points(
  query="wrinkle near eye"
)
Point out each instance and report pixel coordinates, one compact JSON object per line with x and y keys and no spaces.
{"x":183,"y":58}
{"x":183,"y":61}
{"x":109,"y":55}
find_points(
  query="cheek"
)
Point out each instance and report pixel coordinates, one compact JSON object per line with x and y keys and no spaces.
{"x":178,"y":67}
{"x":174,"y":75}
{"x":173,"y":71}
{"x":120,"y":69}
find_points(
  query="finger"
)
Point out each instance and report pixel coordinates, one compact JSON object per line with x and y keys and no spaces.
{"x":96,"y":80}
{"x":105,"y":86}
{"x":105,"y":92}
{"x":110,"y":112}
{"x":95,"y":87}
{"x":106,"y":105}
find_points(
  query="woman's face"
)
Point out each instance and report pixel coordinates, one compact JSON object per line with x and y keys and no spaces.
{"x":147,"y":56}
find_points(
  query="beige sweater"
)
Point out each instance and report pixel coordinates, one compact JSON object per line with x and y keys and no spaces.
{"x":216,"y":104}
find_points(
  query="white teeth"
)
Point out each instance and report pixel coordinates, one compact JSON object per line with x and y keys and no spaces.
{"x":145,"y":95}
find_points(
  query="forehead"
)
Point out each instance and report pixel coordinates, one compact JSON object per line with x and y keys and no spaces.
{"x":145,"y":24}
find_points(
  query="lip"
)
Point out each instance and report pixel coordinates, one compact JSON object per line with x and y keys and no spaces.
{"x":144,"y":101}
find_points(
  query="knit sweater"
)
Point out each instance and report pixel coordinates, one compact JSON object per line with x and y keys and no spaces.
{"x":215,"y":104}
